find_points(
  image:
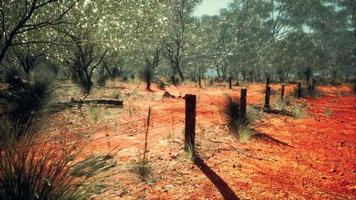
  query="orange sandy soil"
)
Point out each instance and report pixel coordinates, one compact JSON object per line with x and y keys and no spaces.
{"x":308,"y":158}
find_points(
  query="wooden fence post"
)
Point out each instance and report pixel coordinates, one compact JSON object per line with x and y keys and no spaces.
{"x":230,"y":82}
{"x":199,"y":80}
{"x":313,"y":84}
{"x":267,"y":83}
{"x":243,"y":102}
{"x":173,"y":80}
{"x":189,"y":135}
{"x":268,"y":94}
{"x":299,"y":95}
{"x":282,"y":92}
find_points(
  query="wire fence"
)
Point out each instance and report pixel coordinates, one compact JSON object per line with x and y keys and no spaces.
{"x":116,"y":137}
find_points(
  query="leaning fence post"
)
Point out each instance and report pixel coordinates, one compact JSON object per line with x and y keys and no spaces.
{"x":189,"y":135}
{"x":230,"y":82}
{"x":268,"y":94}
{"x":282,"y":92}
{"x":299,"y":90}
{"x":243,"y":102}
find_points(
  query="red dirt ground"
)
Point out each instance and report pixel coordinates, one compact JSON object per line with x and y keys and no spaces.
{"x":308,"y":158}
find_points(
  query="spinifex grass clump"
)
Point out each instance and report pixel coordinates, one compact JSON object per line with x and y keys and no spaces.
{"x":24,"y":100}
{"x":30,"y":171}
{"x":298,"y":111}
{"x":143,"y":169}
{"x":232,"y":111}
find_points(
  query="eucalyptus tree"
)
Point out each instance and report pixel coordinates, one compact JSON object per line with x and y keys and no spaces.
{"x":179,"y":20}
{"x":28,"y":58}
{"x":197,"y":59}
{"x":152,"y":31}
{"x":246,"y":19}
{"x":218,"y":37}
{"x":19,"y":17}
{"x":83,"y":51}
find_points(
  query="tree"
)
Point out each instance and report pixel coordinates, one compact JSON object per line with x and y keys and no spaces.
{"x":28,"y":58}
{"x":17,"y":18}
{"x":84,"y":58}
{"x":179,"y":20}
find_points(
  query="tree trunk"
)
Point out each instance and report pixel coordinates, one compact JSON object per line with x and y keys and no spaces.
{"x":218,"y":71}
{"x":179,"y":72}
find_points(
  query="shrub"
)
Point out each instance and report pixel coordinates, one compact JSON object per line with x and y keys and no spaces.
{"x":143,"y":169}
{"x":147,"y":75}
{"x":29,"y":171}
{"x":298,"y":111}
{"x":162,"y":85}
{"x":24,"y":101}
{"x":80,"y":77}
{"x":11,"y":75}
{"x":245,"y":133}
{"x":103,"y":76}
{"x":280,"y":104}
{"x":93,"y":165}
{"x":94,"y":113}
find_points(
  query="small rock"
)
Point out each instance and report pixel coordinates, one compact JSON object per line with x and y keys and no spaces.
{"x":333,"y":170}
{"x":168,"y":187}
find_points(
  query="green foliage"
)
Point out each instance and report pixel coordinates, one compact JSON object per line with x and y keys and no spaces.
{"x":28,"y":172}
{"x":94,"y":113}
{"x":245,"y":133}
{"x":24,"y":101}
{"x":81,"y":78}
{"x":93,"y":165}
{"x":103,"y":76}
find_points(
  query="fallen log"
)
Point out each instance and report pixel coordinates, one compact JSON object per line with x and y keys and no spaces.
{"x":113,"y":102}
{"x":62,"y":105}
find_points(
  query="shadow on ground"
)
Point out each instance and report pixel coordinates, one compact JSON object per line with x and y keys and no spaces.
{"x":267,"y":138}
{"x":218,"y":182}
